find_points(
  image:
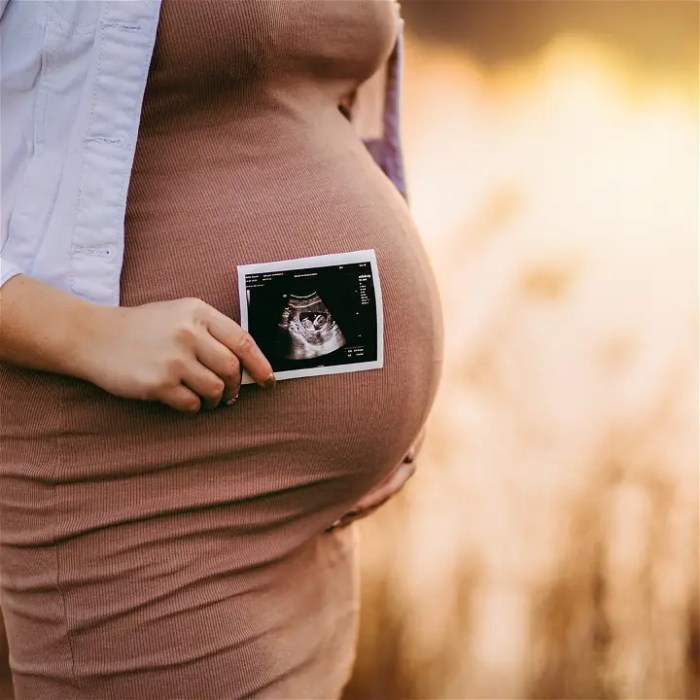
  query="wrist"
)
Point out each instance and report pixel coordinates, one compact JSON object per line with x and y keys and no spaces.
{"x":87,"y":339}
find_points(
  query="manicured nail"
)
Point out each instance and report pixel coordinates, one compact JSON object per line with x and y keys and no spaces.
{"x":231,"y":401}
{"x":270,"y":382}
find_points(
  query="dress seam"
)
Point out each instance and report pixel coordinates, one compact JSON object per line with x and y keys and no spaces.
{"x":65,"y":614}
{"x":61,"y":593}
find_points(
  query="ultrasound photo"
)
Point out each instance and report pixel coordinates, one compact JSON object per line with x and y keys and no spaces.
{"x":312,"y":316}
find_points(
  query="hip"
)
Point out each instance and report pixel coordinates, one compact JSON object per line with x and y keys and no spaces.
{"x":206,"y":625}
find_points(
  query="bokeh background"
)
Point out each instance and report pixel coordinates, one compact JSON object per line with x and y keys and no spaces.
{"x":548,"y":545}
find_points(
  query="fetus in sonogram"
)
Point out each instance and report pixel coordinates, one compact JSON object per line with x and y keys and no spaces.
{"x":307,"y":329}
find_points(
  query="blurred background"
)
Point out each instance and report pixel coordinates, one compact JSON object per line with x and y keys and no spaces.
{"x":548,"y":545}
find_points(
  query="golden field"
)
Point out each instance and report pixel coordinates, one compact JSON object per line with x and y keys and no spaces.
{"x":548,"y":545}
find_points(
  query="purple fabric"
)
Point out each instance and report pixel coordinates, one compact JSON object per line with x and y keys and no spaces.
{"x":387,"y":151}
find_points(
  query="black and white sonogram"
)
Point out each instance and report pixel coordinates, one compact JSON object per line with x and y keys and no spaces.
{"x":307,"y":329}
{"x":311,"y":316}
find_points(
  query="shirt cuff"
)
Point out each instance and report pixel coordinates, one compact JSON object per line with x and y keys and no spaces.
{"x":7,"y":270}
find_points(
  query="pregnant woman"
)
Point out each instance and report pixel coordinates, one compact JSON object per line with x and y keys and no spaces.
{"x":165,"y":533}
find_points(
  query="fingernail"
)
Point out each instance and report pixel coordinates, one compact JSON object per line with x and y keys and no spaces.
{"x":231,"y":401}
{"x":270,"y":382}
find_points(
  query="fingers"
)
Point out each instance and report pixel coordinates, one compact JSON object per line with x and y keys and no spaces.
{"x":416,"y":446}
{"x":241,"y":344}
{"x":378,"y":496}
{"x":387,"y":488}
{"x":398,"y":480}
{"x":223,"y":363}
{"x":205,"y":383}
{"x":182,"y":399}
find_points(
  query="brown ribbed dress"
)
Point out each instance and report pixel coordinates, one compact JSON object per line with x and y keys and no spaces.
{"x":152,"y":554}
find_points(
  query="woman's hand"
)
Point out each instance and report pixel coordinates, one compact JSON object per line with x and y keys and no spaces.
{"x":388,"y":487}
{"x":183,"y":353}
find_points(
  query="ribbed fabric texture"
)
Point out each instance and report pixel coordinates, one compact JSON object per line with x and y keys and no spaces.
{"x":151,"y":554}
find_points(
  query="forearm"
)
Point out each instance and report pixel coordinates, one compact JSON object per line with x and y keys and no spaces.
{"x":43,"y":327}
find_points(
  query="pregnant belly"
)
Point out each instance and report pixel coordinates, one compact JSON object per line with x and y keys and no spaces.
{"x":311,"y":447}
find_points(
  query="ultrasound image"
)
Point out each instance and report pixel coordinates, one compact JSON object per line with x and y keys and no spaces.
{"x":307,"y":329}
{"x":314,"y":317}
